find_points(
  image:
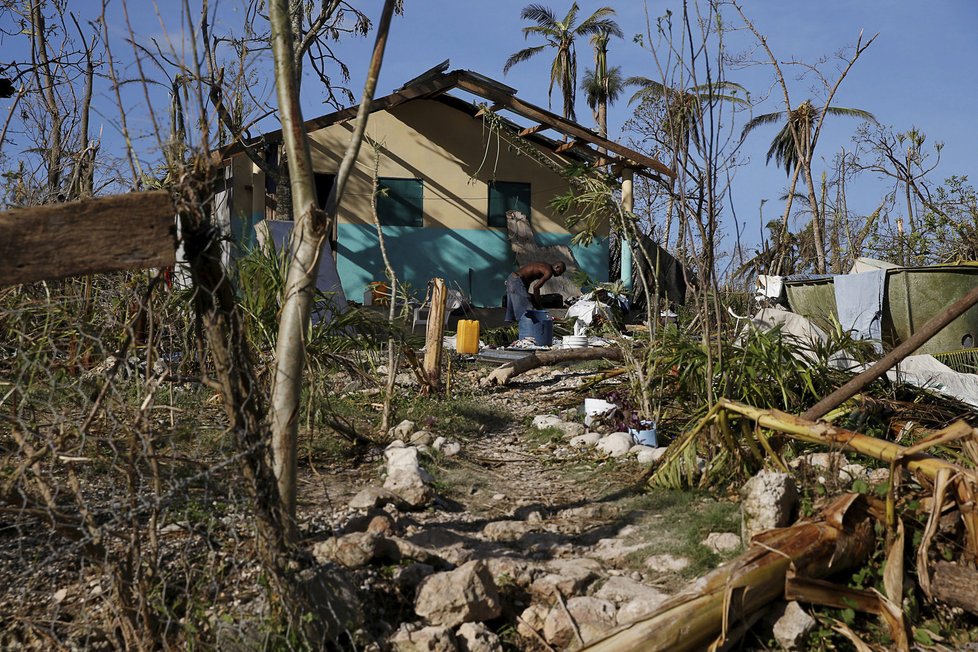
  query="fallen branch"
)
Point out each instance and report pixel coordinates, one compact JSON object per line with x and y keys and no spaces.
{"x":710,"y":608}
{"x":503,"y":374}
{"x":965,"y":480}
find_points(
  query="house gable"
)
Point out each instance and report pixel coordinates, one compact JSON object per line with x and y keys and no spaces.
{"x":437,"y":146}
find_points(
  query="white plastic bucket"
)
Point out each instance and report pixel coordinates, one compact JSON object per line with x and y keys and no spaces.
{"x":594,"y":407}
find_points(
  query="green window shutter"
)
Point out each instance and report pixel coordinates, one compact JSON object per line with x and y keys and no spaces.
{"x":400,"y":202}
{"x":507,"y":196}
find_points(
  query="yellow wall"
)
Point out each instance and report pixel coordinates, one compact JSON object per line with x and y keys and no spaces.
{"x":425,"y":139}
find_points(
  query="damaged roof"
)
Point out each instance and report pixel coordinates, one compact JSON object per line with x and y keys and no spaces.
{"x":434,"y":83}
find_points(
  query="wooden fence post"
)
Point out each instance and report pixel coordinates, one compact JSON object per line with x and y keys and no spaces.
{"x":434,"y":334}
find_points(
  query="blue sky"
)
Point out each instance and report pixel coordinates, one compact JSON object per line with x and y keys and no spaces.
{"x":919,"y":71}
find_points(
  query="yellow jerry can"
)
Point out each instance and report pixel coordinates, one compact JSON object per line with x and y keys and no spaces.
{"x":467,"y":336}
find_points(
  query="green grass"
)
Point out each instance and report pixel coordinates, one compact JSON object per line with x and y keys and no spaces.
{"x":675,"y":522}
{"x":540,"y":436}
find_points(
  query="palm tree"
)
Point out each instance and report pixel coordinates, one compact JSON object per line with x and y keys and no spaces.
{"x":560,"y":35}
{"x":683,"y":107}
{"x":801,"y":121}
{"x":602,"y":85}
{"x":793,"y":147}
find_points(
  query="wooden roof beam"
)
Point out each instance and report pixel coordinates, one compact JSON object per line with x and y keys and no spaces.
{"x":563,"y":125}
{"x":529,"y":131}
{"x":563,"y":147}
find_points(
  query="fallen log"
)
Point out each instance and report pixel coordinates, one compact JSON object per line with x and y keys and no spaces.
{"x":503,"y":374}
{"x":703,"y":614}
{"x":955,"y":584}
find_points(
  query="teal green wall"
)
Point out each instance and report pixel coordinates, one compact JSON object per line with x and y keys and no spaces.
{"x":420,"y":254}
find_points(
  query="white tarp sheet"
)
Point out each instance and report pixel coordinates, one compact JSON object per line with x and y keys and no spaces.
{"x":928,"y":372}
{"x":328,"y":280}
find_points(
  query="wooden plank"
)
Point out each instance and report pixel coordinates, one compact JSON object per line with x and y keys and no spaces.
{"x":106,"y":234}
{"x":529,"y":131}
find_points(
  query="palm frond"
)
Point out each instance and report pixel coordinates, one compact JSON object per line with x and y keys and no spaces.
{"x":783,"y":149}
{"x":648,"y":89}
{"x":852,"y":113}
{"x":729,"y":99}
{"x":521,"y":56}
{"x":540,"y":14}
{"x":614,"y":84}
{"x":570,"y":18}
{"x":600,"y":88}
{"x":757,"y":121}
{"x":601,"y":21}
{"x":719,"y":85}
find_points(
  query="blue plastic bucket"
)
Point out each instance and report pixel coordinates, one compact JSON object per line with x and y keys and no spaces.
{"x":646,"y":434}
{"x":539,"y":325}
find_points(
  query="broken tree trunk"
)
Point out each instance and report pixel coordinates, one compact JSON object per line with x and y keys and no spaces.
{"x":312,"y":227}
{"x":434,"y":335}
{"x":712,"y":606}
{"x":503,"y":374}
{"x":918,"y":339}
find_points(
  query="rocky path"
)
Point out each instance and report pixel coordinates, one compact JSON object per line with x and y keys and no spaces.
{"x":514,"y":539}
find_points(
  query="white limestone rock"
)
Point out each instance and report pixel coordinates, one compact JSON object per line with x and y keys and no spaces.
{"x":617,"y":444}
{"x":411,"y":638}
{"x":466,"y":594}
{"x":406,"y":478}
{"x":648,"y":458}
{"x":585,"y":440}
{"x":402,"y":431}
{"x":792,"y":627}
{"x":593,"y":616}
{"x":769,"y":500}
{"x":476,"y":637}
{"x":722,"y":542}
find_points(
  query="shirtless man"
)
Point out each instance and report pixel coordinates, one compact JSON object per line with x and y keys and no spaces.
{"x":518,"y":286}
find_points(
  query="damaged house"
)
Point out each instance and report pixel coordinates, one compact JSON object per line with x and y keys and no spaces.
{"x":454,"y":152}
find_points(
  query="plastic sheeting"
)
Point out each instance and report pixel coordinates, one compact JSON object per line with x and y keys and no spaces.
{"x":328,"y":279}
{"x":927,"y":372}
{"x":859,"y":302}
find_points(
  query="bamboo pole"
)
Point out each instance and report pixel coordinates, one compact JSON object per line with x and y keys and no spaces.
{"x":435,"y":334}
{"x":823,"y":433}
